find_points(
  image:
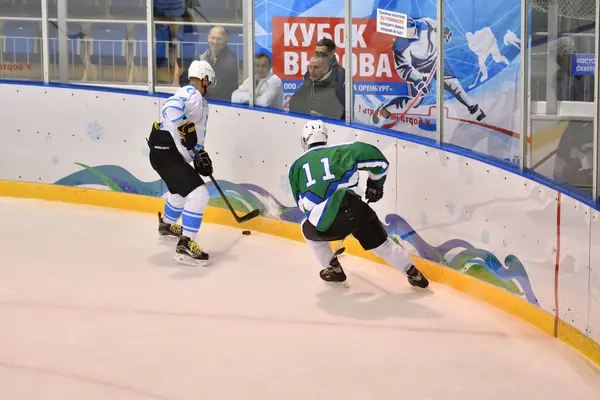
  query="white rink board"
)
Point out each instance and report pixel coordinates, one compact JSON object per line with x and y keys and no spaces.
{"x":477,"y":218}
{"x":594,"y":311}
{"x":574,"y":273}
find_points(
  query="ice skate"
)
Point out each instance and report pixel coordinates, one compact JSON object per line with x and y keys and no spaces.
{"x":188,"y":252}
{"x":474,"y":109}
{"x":167,"y":231}
{"x":416,"y":278}
{"x":334,"y":274}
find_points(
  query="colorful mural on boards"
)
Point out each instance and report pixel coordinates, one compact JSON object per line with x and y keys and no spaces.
{"x":480,"y":263}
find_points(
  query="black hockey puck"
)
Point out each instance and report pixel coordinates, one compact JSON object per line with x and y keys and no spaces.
{"x":245,"y":232}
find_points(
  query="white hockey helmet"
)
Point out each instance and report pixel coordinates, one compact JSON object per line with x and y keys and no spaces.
{"x":313,"y":132}
{"x":200,"y":69}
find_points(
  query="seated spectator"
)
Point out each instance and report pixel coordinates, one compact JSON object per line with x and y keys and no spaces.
{"x":328,"y":47}
{"x":317,"y":95}
{"x":268,"y":89}
{"x":225,"y":63}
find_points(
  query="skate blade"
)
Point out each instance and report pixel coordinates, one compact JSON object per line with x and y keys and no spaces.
{"x":339,"y":284}
{"x":167,"y":237}
{"x":180,"y":258}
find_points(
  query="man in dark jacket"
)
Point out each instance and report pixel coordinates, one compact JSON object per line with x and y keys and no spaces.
{"x":317,"y":95}
{"x":224,"y":62}
{"x":338,"y":72}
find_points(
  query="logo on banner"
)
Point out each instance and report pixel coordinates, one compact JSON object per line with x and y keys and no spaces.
{"x":295,"y":38}
{"x":582,"y":64}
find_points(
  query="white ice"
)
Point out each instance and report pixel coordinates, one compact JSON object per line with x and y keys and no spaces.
{"x":93,"y":307}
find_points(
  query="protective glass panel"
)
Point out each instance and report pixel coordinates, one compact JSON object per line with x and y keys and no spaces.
{"x":305,"y":45}
{"x":394,"y":60}
{"x":482,"y":77}
{"x":21,"y":40}
{"x":562,"y":92}
{"x":210,"y":31}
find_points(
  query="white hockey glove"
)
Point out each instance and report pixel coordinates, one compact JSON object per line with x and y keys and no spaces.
{"x":423,"y":87}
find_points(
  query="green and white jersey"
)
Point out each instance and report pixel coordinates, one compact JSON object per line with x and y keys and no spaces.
{"x":320,"y":177}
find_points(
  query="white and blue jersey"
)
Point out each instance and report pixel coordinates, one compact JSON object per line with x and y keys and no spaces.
{"x":187,"y":104}
{"x":415,"y":56}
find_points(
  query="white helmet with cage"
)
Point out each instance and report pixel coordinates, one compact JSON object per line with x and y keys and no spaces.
{"x":313,"y":132}
{"x":199,"y":69}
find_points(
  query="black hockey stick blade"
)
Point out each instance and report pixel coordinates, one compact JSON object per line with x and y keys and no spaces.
{"x":339,"y":251}
{"x":252,"y":214}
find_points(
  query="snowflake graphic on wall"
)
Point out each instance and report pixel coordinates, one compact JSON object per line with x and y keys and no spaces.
{"x":284,"y":185}
{"x":451,"y":207}
{"x":485,"y":236}
{"x":55,"y":160}
{"x":424,"y":219}
{"x":95,"y":131}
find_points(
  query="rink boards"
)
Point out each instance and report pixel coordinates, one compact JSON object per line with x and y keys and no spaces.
{"x":496,"y":235}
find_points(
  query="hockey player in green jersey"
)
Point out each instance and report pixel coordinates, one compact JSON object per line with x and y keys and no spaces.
{"x":324,"y":183}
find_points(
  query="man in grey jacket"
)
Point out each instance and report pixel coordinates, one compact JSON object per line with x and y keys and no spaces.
{"x":317,"y":95}
{"x":224,"y":62}
{"x":338,"y":72}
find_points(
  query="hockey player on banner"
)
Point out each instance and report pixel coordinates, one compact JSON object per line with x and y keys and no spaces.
{"x":324,"y":183}
{"x":175,"y":142}
{"x":415,"y":59}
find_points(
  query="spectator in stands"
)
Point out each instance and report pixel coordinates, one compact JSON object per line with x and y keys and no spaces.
{"x":328,"y":47}
{"x":268,"y":90}
{"x":317,"y":95}
{"x":169,"y":8}
{"x":225,"y":63}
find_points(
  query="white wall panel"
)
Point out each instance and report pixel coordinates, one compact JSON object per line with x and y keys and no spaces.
{"x":594,"y":310}
{"x":478,"y":219}
{"x":471,"y":216}
{"x":574,"y":274}
{"x":83,"y":126}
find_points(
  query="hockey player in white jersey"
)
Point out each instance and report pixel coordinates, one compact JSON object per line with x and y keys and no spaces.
{"x":415,"y":59}
{"x":175,"y":142}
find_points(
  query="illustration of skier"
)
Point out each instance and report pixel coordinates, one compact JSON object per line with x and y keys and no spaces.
{"x":415,"y":60}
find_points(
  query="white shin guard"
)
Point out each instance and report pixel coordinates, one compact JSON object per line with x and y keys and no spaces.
{"x":195,"y":203}
{"x":395,"y":255}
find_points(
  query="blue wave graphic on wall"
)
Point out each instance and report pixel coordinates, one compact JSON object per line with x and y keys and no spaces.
{"x":247,"y":196}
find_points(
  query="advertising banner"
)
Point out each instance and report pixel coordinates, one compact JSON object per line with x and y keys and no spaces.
{"x":394,"y":64}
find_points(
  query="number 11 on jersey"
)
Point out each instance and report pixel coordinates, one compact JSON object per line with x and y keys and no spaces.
{"x":327,"y":177}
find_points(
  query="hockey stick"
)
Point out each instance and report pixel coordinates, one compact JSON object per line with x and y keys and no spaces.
{"x":412,"y":104}
{"x":252,"y":214}
{"x":338,"y":250}
{"x":471,"y":86}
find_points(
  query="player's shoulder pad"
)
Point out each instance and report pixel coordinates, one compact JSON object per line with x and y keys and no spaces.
{"x":188,"y":93}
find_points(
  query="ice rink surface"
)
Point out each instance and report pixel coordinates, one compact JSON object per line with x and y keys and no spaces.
{"x":92,"y":306}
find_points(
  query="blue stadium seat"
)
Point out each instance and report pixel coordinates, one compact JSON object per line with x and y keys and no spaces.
{"x":110,"y":57}
{"x":217,"y":10}
{"x":193,"y":42}
{"x":75,"y":34}
{"x":131,"y":9}
{"x":140,"y":46}
{"x":21,"y":41}
{"x":140,"y":54}
{"x":109,"y":44}
{"x":86,"y":8}
{"x":169,"y":8}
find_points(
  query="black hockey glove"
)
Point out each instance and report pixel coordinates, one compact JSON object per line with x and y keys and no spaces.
{"x":189,"y":138}
{"x":203,"y":163}
{"x":374,"y":191}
